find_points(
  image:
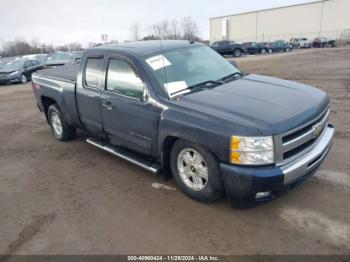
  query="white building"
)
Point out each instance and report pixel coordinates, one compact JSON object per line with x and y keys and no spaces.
{"x":329,"y":18}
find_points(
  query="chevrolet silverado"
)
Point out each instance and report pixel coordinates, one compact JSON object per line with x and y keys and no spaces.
{"x":179,"y":109}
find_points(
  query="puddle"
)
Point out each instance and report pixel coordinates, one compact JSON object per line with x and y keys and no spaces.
{"x":317,"y":226}
{"x":333,"y":177}
{"x":161,"y":186}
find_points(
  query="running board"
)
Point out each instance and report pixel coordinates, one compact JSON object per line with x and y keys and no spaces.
{"x":123,"y":154}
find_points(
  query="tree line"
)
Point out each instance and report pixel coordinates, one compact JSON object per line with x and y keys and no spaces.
{"x":185,"y":28}
{"x":21,"y":46}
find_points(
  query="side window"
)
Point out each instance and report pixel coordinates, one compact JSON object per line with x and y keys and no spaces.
{"x":122,"y":79}
{"x":93,"y":72}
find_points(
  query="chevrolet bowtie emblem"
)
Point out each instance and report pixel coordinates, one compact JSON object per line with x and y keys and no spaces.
{"x":317,"y":129}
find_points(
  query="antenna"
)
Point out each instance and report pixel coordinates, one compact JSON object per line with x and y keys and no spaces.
{"x":161,"y":49}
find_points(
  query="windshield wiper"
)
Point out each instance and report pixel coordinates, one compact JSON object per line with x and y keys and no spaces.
{"x":231,"y":76}
{"x":207,"y":84}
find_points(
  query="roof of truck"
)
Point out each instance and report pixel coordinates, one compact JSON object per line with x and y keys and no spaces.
{"x":145,"y":48}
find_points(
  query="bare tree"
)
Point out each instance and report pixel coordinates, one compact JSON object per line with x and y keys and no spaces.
{"x":189,"y":28}
{"x":174,"y":31}
{"x":135,"y":31}
{"x":160,"y":30}
{"x":20,"y":46}
{"x":74,"y":46}
{"x":17,"y":47}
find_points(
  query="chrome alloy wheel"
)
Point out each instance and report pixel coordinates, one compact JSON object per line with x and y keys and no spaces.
{"x":192,"y":169}
{"x":56,"y":124}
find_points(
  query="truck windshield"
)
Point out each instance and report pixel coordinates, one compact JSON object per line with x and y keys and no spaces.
{"x":178,"y":70}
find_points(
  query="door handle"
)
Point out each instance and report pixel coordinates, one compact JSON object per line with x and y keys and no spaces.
{"x":108,"y":105}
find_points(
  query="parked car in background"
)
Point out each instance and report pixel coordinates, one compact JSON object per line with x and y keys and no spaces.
{"x":78,"y":55}
{"x":18,"y":71}
{"x":300,"y":42}
{"x":2,"y":63}
{"x":63,"y":58}
{"x":41,"y":58}
{"x":266,"y":45}
{"x":324,"y":42}
{"x":228,"y":48}
{"x":281,"y":46}
{"x":5,"y":60}
{"x":255,"y":48}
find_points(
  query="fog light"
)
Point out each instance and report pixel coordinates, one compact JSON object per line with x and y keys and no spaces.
{"x":260,"y":195}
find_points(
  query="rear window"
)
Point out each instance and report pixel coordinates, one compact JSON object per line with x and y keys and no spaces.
{"x":93,"y":72}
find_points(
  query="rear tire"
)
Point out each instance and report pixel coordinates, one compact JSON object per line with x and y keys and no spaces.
{"x":196,"y":172}
{"x":237,"y":53}
{"x":61,"y":130}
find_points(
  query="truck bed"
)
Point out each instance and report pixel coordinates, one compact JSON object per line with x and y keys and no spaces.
{"x":63,"y":72}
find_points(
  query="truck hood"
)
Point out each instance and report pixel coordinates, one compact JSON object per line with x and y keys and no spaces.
{"x":272,"y":106}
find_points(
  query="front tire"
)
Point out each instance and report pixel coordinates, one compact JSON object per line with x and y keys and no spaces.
{"x":61,"y":130}
{"x":196,"y":172}
{"x":23,"y":79}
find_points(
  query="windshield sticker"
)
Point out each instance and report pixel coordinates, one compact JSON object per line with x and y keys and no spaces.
{"x":158,"y":62}
{"x":175,"y":87}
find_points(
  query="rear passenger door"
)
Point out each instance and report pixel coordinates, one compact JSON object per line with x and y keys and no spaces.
{"x":36,"y":65}
{"x":89,"y":85}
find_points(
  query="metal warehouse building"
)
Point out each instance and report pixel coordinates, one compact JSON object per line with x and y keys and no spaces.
{"x":329,"y":18}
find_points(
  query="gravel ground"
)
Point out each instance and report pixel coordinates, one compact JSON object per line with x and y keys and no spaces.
{"x":72,"y":198}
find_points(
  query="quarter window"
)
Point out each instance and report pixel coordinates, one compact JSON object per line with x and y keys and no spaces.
{"x":122,"y":79}
{"x":93,"y":72}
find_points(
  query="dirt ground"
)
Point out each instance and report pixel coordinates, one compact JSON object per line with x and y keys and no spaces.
{"x":72,"y":198}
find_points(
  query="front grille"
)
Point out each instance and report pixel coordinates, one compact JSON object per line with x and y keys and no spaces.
{"x":298,"y":141}
{"x":298,"y":149}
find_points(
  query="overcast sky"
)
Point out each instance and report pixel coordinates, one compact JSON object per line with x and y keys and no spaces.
{"x":64,"y":21}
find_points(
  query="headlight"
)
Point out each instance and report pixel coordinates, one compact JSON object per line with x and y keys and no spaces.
{"x":14,"y":73}
{"x":251,"y":150}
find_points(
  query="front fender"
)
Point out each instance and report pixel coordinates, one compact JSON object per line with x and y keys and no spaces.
{"x":199,"y":130}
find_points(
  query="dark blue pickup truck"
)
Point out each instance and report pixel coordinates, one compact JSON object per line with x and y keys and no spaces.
{"x":179,"y":109}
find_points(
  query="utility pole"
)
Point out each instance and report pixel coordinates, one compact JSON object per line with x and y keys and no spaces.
{"x":321,"y":19}
{"x":256,"y":26}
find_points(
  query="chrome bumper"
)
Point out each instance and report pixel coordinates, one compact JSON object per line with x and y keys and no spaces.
{"x":307,"y":162}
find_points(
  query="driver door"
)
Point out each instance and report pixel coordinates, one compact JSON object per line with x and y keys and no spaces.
{"x":129,"y":120}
